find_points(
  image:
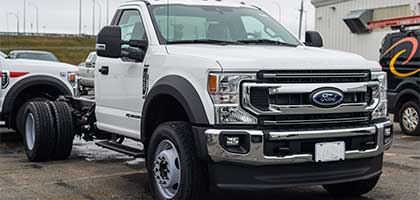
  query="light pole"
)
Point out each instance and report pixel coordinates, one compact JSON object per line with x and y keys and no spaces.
{"x":7,"y":22}
{"x":107,"y":12}
{"x":84,"y":29}
{"x":80,"y":17}
{"x":93,"y":15}
{"x":37,"y":15}
{"x":100,"y":15}
{"x":24,"y":16}
{"x":17,"y":21}
{"x":301,"y":19}
{"x":279,"y":7}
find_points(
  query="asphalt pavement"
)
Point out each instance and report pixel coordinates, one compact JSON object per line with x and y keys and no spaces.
{"x":93,"y":173}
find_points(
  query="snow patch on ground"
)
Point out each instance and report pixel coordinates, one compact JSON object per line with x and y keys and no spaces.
{"x":91,"y":152}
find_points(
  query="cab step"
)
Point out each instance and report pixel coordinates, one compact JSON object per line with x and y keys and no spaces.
{"x":120,"y":148}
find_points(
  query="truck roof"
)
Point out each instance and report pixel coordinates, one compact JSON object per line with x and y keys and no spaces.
{"x":191,"y":2}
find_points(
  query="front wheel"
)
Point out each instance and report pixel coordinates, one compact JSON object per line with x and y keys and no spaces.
{"x":174,"y":169}
{"x":409,"y":118}
{"x":352,"y":189}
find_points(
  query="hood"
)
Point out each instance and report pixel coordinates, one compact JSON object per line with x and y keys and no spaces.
{"x":254,"y":58}
{"x":38,"y":65}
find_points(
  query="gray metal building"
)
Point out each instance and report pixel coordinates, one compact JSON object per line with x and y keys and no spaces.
{"x":344,"y":23}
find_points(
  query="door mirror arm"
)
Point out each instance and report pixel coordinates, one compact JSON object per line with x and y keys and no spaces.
{"x":133,"y":53}
{"x":136,"y":49}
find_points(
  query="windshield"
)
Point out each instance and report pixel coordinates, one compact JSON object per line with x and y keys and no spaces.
{"x":178,"y":23}
{"x":36,"y":56}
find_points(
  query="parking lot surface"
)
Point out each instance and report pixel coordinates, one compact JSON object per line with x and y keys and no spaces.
{"x":94,"y":173}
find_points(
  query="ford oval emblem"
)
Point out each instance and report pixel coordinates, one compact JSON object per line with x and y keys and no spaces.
{"x":327,"y":98}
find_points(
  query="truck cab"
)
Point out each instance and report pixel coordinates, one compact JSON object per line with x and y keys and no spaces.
{"x":222,"y":96}
{"x":400,"y":58}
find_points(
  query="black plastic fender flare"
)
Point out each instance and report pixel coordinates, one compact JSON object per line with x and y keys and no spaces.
{"x":184,"y":92}
{"x":25,"y":83}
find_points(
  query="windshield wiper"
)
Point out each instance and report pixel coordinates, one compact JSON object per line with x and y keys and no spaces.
{"x":266,"y":41}
{"x":204,"y":41}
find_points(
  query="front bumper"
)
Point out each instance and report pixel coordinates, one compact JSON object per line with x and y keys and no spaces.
{"x":257,"y":139}
{"x":246,"y":177}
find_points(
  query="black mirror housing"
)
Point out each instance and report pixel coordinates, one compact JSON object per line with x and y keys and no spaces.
{"x":108,"y":43}
{"x":313,"y":39}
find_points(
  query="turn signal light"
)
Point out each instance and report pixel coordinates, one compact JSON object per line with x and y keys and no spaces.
{"x":212,"y":83}
{"x":72,"y":77}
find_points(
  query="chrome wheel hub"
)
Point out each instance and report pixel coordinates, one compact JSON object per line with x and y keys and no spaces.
{"x":167,"y":171}
{"x":410,"y":119}
{"x":30,"y":131}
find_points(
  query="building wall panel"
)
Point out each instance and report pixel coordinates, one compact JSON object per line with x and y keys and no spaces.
{"x":329,"y":22}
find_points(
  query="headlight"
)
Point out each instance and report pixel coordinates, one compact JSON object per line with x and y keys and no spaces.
{"x":380,"y":92}
{"x":224,"y":90}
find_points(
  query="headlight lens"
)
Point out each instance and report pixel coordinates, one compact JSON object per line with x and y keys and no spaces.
{"x":381,"y":111}
{"x":224,"y":90}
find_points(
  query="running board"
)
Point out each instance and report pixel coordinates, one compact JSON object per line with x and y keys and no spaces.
{"x":131,"y":151}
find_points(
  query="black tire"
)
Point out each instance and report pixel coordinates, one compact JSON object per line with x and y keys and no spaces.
{"x":409,"y":105}
{"x":193,"y":179}
{"x":64,"y":130}
{"x":43,"y":128}
{"x":19,"y":119}
{"x":352,"y":189}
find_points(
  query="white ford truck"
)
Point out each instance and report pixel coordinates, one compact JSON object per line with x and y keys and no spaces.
{"x":24,"y":80}
{"x":223,"y":97}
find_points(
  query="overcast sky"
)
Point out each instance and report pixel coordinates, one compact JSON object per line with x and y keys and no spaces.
{"x":61,"y":16}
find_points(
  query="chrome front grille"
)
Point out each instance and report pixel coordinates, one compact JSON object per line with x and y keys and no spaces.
{"x":283,"y":103}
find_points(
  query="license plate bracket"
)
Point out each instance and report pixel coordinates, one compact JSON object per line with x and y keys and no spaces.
{"x":330,"y":151}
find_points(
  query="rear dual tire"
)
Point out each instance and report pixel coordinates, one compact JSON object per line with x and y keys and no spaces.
{"x":47,"y":131}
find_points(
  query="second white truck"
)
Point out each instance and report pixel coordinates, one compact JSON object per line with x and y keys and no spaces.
{"x":24,"y":80}
{"x":223,"y":96}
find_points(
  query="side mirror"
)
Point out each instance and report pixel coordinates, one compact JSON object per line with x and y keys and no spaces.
{"x":108,"y":43}
{"x":313,"y":39}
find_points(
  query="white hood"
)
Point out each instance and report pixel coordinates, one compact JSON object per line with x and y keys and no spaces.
{"x":254,"y":58}
{"x":37,"y":65}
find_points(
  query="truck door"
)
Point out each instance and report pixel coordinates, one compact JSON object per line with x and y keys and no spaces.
{"x":118,"y":83}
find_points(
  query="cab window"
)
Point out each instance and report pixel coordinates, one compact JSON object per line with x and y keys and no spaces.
{"x":132,"y":27}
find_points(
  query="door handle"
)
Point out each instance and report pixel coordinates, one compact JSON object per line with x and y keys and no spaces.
{"x":104,"y":70}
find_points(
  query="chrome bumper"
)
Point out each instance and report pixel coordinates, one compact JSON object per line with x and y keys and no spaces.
{"x":256,"y":156}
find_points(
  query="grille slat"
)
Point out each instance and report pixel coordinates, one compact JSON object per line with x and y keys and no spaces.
{"x":313,"y":76}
